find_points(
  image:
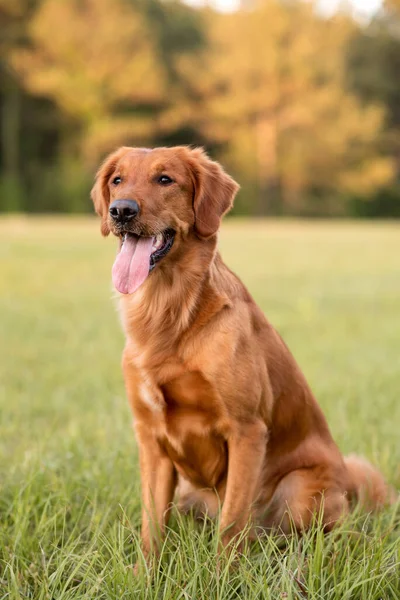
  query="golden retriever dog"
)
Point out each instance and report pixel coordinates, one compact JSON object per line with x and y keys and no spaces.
{"x":222,"y":412}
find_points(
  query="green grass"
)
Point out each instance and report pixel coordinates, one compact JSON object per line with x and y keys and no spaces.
{"x":69,"y":480}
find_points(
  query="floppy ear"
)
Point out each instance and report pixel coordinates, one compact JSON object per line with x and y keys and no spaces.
{"x":214,"y":192}
{"x":100,"y":193}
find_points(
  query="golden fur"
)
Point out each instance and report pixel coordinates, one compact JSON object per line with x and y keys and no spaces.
{"x":222,"y":412}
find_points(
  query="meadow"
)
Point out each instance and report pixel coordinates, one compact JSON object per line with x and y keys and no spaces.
{"x":69,"y":481}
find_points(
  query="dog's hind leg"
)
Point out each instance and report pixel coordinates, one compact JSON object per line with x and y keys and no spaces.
{"x":301,"y":498}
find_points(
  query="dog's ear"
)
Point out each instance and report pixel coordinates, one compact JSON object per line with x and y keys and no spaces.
{"x":100,"y":193}
{"x":214,"y":192}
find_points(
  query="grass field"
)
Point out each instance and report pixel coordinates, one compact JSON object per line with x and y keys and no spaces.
{"x":69,"y":482}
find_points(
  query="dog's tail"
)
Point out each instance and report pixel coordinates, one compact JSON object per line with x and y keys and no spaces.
{"x":367,"y":485}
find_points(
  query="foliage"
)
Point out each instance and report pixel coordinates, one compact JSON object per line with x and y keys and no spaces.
{"x":302,"y":109}
{"x":70,"y":490}
{"x":297,"y":131}
{"x":106,"y":68}
{"x":373,"y":73}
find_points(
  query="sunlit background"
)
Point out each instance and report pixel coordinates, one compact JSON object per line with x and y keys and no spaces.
{"x":298,"y":99}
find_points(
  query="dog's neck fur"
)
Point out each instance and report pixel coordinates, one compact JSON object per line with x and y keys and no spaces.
{"x":174,"y":300}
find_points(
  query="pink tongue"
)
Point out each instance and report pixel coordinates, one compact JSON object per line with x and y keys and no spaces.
{"x":132,"y":264}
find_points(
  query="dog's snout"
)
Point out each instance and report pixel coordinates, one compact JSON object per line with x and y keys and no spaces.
{"x":123,"y":211}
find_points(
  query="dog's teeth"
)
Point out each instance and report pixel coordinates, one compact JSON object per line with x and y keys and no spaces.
{"x":158,"y":241}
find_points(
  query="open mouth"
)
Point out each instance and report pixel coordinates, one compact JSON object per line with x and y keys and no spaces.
{"x":161,"y":246}
{"x":138,"y":255}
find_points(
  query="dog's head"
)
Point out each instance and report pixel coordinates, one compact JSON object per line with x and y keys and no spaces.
{"x":154,"y":200}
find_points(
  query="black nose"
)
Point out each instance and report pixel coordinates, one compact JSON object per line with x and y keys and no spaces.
{"x":123,"y":211}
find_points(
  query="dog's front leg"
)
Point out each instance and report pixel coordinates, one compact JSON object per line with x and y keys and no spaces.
{"x":247,"y":445}
{"x":158,"y":478}
{"x":157,"y":471}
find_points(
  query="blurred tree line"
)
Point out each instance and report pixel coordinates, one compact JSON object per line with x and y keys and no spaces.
{"x":303,"y":110}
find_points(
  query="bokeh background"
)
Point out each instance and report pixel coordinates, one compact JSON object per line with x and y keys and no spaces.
{"x":300,"y":100}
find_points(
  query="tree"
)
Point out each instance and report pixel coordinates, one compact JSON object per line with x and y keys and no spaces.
{"x":274,"y":95}
{"x":105,"y":67}
{"x":14,"y":16}
{"x":373,"y":68}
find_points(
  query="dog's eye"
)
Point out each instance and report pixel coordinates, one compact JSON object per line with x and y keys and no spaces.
{"x":116,"y":180}
{"x":164,"y":180}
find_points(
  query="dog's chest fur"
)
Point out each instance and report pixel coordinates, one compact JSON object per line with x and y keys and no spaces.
{"x":189,"y":428}
{"x":172,"y":391}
